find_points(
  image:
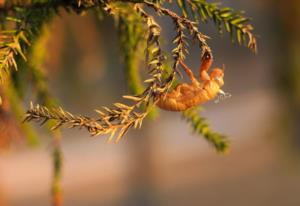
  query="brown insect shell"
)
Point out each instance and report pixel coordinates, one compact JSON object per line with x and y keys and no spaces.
{"x":196,"y":95}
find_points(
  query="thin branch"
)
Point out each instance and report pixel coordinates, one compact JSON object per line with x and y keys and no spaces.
{"x":57,"y":162}
{"x":121,"y":117}
{"x":199,"y":125}
{"x":233,"y":22}
{"x":181,"y":20}
{"x":9,"y":47}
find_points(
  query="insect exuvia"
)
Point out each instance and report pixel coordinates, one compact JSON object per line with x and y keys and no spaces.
{"x":185,"y":96}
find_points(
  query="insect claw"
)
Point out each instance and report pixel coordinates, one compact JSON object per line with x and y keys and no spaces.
{"x":227,"y":95}
{"x":223,"y":95}
{"x":222,"y":92}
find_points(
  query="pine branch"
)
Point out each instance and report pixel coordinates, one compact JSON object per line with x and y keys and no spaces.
{"x":225,"y":18}
{"x":112,"y":120}
{"x":35,"y":67}
{"x":200,"y":126}
{"x":53,"y":4}
{"x":10,"y":45}
{"x":183,"y":22}
{"x":57,"y":161}
{"x":233,"y":22}
{"x":18,"y":111}
{"x":132,"y":42}
{"x":131,"y":37}
{"x":16,"y":41}
{"x":108,"y":123}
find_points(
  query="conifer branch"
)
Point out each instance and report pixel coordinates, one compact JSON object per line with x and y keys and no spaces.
{"x":10,"y":45}
{"x":225,"y":19}
{"x":107,"y":123}
{"x":57,"y":162}
{"x":18,"y":110}
{"x":15,"y":41}
{"x":121,"y":117}
{"x":131,"y":37}
{"x":200,"y":126}
{"x":132,"y":42}
{"x":182,"y":22}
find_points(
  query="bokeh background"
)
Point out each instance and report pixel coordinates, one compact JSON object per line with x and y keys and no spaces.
{"x":164,"y":163}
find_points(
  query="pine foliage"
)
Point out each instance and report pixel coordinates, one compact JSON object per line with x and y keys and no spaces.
{"x":199,"y":125}
{"x":24,"y":21}
{"x":225,"y":18}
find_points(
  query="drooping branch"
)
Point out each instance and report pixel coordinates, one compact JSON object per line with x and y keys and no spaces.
{"x":121,"y":117}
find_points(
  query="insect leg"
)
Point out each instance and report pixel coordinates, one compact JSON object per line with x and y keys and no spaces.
{"x":188,"y":71}
{"x":206,"y":62}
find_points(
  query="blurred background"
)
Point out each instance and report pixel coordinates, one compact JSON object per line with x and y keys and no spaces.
{"x":164,"y":163}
